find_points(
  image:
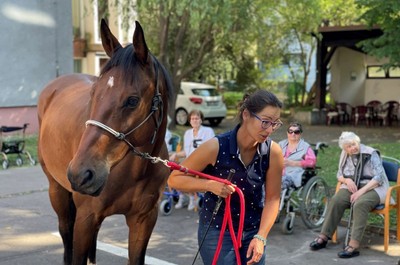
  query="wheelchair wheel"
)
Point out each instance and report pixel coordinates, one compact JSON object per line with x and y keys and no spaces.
{"x":199,"y":202}
{"x":287,"y":226}
{"x":166,"y":207}
{"x":314,"y":203}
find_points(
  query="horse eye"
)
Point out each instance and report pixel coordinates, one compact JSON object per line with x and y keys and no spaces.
{"x":132,"y":102}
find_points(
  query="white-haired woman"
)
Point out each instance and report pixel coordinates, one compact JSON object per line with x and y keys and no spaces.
{"x":364,"y":162}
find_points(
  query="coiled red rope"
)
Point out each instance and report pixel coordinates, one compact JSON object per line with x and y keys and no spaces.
{"x":236,"y":238}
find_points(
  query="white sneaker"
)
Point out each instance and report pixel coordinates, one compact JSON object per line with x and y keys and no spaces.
{"x":182,"y":202}
{"x":191,"y":205}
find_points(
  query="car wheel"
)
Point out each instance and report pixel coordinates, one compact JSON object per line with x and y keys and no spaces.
{"x":215,"y":121}
{"x":181,"y":117}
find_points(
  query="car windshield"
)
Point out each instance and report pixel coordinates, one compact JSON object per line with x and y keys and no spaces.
{"x":205,"y":92}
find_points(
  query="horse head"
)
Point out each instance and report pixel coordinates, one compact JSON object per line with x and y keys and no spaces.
{"x":128,"y":111}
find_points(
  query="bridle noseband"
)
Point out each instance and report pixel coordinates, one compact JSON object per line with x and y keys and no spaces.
{"x":157,"y":104}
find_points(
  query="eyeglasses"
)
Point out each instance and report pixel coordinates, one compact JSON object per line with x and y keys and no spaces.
{"x":295,"y":132}
{"x":265,"y":124}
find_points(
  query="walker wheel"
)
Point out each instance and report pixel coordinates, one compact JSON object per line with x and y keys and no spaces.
{"x":5,"y":164}
{"x":287,"y":228}
{"x":165,"y":207}
{"x":19,"y":161}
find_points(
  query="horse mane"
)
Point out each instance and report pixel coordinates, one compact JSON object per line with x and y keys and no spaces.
{"x":125,"y":59}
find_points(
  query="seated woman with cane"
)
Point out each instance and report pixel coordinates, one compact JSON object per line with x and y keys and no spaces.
{"x":364,"y":186}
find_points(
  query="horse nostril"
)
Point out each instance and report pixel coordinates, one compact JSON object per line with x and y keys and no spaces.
{"x":87,"y":177}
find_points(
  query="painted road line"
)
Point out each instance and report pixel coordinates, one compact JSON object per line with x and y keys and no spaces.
{"x":122,"y":252}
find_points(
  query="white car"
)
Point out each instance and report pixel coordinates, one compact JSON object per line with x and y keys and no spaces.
{"x":198,"y":96}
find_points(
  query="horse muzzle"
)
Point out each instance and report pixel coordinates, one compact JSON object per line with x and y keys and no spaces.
{"x":86,"y":180}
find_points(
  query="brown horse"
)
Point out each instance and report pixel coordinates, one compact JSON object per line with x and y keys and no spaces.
{"x":95,"y":133}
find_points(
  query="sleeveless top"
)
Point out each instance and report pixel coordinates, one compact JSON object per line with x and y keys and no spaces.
{"x":297,"y":155}
{"x":250,"y":179}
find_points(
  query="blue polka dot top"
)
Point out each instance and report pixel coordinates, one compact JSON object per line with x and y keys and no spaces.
{"x":250,"y":179}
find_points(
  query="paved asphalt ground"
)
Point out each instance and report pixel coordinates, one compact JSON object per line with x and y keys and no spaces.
{"x":28,"y":225}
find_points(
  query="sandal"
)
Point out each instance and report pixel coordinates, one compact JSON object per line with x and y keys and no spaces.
{"x":318,"y":243}
{"x":348,"y":252}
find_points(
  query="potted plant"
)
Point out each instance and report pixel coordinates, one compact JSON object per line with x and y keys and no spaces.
{"x":79,"y":44}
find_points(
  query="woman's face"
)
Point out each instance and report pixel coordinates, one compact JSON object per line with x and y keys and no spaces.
{"x":351,"y":148}
{"x":262,"y":124}
{"x":195,"y":121}
{"x":293,"y":133}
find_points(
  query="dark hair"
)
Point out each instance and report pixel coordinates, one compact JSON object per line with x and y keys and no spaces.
{"x":257,"y":101}
{"x":197,"y":113}
{"x":296,"y":124}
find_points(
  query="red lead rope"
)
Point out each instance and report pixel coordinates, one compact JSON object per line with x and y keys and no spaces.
{"x":236,"y":239}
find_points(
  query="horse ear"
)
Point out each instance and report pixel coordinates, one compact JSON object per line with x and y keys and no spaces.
{"x":139,"y":44}
{"x":110,"y":43}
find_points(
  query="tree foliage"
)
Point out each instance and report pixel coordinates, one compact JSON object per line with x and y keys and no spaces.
{"x":386,"y":15}
{"x":205,"y":40}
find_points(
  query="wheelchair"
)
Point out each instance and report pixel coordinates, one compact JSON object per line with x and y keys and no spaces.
{"x":310,"y":200}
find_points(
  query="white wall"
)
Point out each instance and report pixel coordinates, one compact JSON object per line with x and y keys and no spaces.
{"x":349,"y":83}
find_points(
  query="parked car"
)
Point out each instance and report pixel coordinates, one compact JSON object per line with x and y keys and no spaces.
{"x":203,"y":97}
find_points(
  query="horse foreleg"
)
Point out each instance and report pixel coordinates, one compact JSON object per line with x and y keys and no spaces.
{"x":92,"y":250}
{"x":140,"y":229}
{"x":63,"y":205}
{"x":85,"y":238}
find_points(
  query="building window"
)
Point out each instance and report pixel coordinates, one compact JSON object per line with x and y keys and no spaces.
{"x":394,"y":72}
{"x":77,"y":65}
{"x":101,"y":60}
{"x":375,"y":72}
{"x":100,"y":11}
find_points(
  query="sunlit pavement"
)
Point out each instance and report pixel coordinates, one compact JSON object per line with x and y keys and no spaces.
{"x":28,"y":233}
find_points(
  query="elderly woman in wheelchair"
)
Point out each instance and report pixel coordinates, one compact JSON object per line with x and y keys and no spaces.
{"x":302,"y":189}
{"x":297,"y":154}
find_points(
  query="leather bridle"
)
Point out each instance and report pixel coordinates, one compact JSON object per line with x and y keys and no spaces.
{"x":157,"y":105}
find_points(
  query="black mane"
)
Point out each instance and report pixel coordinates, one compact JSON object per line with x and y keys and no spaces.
{"x":125,"y":59}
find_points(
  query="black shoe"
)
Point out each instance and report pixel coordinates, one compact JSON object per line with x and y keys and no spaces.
{"x":318,"y":243}
{"x":348,"y":252}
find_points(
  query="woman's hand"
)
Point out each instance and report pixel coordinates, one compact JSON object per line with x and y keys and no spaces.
{"x":221,"y":189}
{"x":255,"y":251}
{"x":291,"y":163}
{"x":172,"y":157}
{"x":352,"y":187}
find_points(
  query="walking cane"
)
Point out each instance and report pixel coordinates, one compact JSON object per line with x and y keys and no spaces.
{"x":358,"y":173}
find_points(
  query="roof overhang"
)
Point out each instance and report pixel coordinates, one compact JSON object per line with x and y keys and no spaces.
{"x":347,"y":36}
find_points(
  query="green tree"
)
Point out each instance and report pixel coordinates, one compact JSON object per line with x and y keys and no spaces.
{"x":195,"y":37}
{"x":386,"y":15}
{"x":296,"y":22}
